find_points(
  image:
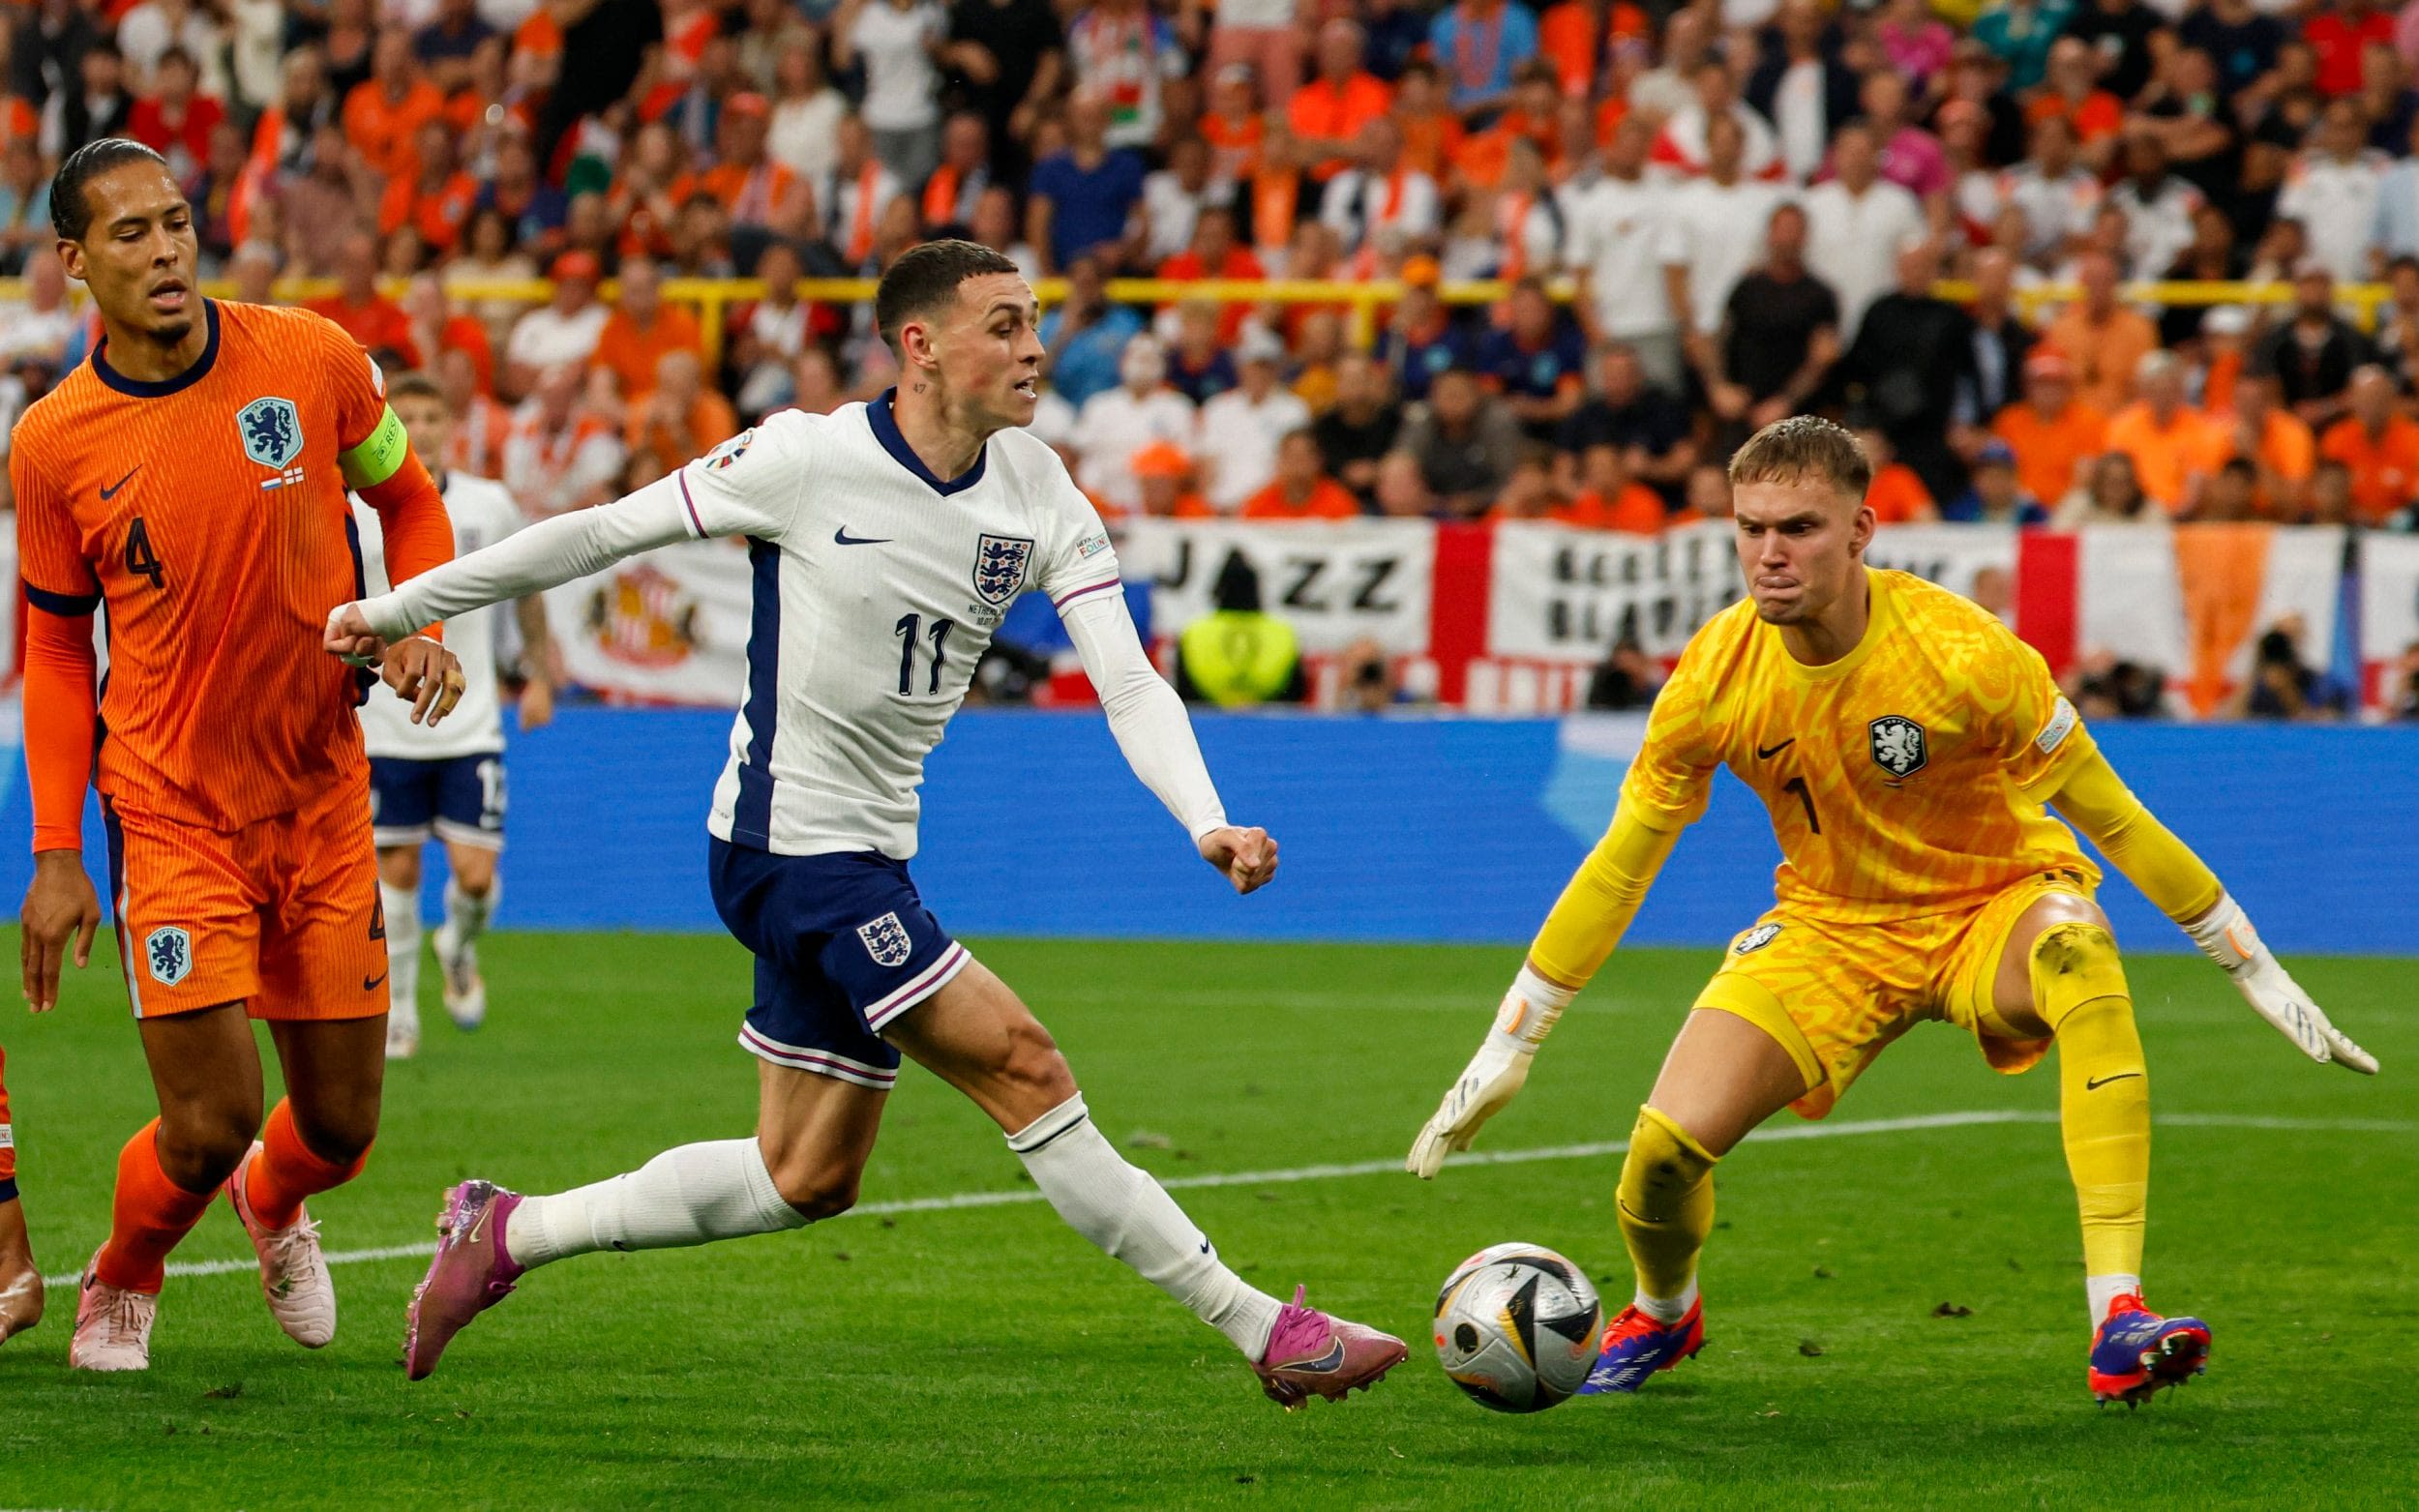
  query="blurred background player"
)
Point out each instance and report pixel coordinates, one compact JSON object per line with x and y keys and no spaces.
{"x":191,"y":476}
{"x":933,"y":500}
{"x":447,"y":781}
{"x":21,"y":1280}
{"x":1904,"y":741}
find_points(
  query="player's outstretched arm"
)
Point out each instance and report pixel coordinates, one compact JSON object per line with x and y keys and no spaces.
{"x":1156,"y":736}
{"x":527,"y":561}
{"x":2184,"y":888}
{"x":60,"y":908}
{"x":1586,"y":923}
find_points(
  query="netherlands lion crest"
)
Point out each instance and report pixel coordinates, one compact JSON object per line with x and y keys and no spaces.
{"x":999,"y":563}
{"x":887,"y":940}
{"x":1899,"y":746}
{"x":169,"y":953}
{"x":272,"y":431}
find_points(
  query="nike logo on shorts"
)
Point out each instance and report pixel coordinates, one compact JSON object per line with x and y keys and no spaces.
{"x":2096,"y":1083}
{"x":841,"y":537}
{"x":369,"y":982}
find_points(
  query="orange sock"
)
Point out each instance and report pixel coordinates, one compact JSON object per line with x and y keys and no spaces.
{"x":151,"y":1213}
{"x":284,"y":1171}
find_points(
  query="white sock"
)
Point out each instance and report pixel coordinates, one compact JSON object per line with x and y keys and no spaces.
{"x":2104,"y":1289}
{"x":403,"y":952}
{"x":1120,"y":1209}
{"x":1668,"y":1310}
{"x":692,"y":1195}
{"x":465,"y":916}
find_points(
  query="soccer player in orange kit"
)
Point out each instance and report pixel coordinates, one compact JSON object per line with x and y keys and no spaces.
{"x":192,"y":477}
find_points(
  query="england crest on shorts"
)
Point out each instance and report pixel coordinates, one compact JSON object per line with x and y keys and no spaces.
{"x":272,"y":431}
{"x":887,"y":940}
{"x":169,"y":953}
{"x":1898,"y":745}
{"x":999,"y":563}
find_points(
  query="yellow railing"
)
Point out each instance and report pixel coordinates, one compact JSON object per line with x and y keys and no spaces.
{"x":1364,"y":301}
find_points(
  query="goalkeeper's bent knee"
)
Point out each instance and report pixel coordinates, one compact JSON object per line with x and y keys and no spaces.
{"x":2079,"y":989}
{"x":1666,"y":1202}
{"x":2073,"y":964}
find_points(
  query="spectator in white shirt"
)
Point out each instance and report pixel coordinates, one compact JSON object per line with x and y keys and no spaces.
{"x":1857,"y":222}
{"x":898,"y":41}
{"x":562,"y":331}
{"x":2052,"y":189}
{"x":1380,"y":193}
{"x":1241,"y":427}
{"x":1173,"y":199}
{"x":2333,"y":191}
{"x":1721,"y":219}
{"x":1680,"y":148}
{"x":805,"y":133}
{"x":1117,"y":423}
{"x":1621,"y":238}
{"x":560,"y":453}
{"x":2157,"y":207}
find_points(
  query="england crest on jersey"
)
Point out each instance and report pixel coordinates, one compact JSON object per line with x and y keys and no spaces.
{"x":169,"y":953}
{"x":272,"y":431}
{"x":1899,"y":746}
{"x":887,"y":940}
{"x":999,"y":563}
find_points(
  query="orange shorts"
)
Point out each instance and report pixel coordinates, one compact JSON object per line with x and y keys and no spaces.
{"x":8,"y":1136}
{"x":282,"y":915}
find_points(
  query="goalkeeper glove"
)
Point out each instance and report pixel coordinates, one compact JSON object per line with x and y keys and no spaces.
{"x":2225,"y":936}
{"x":1494,"y":1074}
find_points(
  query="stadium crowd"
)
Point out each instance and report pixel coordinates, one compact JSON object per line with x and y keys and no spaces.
{"x":1754,"y":203}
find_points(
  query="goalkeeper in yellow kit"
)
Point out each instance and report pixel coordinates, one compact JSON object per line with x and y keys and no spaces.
{"x":1904,"y":743}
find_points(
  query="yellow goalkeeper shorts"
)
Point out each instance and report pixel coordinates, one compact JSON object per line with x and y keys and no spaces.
{"x":1834,"y":994}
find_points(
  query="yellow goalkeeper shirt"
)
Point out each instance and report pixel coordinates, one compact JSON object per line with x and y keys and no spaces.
{"x":1906,"y":778}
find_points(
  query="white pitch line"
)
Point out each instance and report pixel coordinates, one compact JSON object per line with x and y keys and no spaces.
{"x":957,"y":1202}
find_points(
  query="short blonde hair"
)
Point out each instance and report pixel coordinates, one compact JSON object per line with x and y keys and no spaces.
{"x":1802,"y":448}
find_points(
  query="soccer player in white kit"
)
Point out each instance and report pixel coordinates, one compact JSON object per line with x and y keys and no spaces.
{"x":888,"y":541}
{"x":445,"y":782}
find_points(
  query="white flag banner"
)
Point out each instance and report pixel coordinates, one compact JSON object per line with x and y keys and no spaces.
{"x":1974,"y":561}
{"x":2389,"y":597}
{"x":2130,"y":604}
{"x":667,"y":627}
{"x":1560,"y":594}
{"x":2304,"y":579}
{"x":1335,"y":583}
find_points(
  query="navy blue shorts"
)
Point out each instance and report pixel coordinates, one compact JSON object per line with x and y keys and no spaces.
{"x":459,"y":799}
{"x":843,"y":946}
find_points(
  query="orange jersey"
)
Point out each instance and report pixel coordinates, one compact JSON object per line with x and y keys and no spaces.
{"x":208,"y":513}
{"x":2384,"y":469}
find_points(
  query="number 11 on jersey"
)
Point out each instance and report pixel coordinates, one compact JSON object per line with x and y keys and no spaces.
{"x":907,"y":630}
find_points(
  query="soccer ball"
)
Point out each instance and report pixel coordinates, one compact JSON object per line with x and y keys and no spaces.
{"x":1517,"y":1327}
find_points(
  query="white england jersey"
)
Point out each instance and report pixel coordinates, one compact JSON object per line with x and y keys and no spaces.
{"x":877,"y":589}
{"x":483,"y":514}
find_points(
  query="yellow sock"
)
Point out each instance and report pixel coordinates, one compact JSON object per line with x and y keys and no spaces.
{"x":1666,"y":1201}
{"x":2103,"y":1096}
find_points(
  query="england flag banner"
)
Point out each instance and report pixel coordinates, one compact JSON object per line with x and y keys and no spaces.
{"x":669,"y":627}
{"x":1334,"y":582}
{"x":1557,"y":593}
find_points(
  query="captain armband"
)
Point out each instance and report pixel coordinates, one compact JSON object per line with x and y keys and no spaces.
{"x":377,"y":458}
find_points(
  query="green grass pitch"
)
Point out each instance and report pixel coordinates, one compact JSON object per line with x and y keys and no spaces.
{"x":986,"y":1356}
